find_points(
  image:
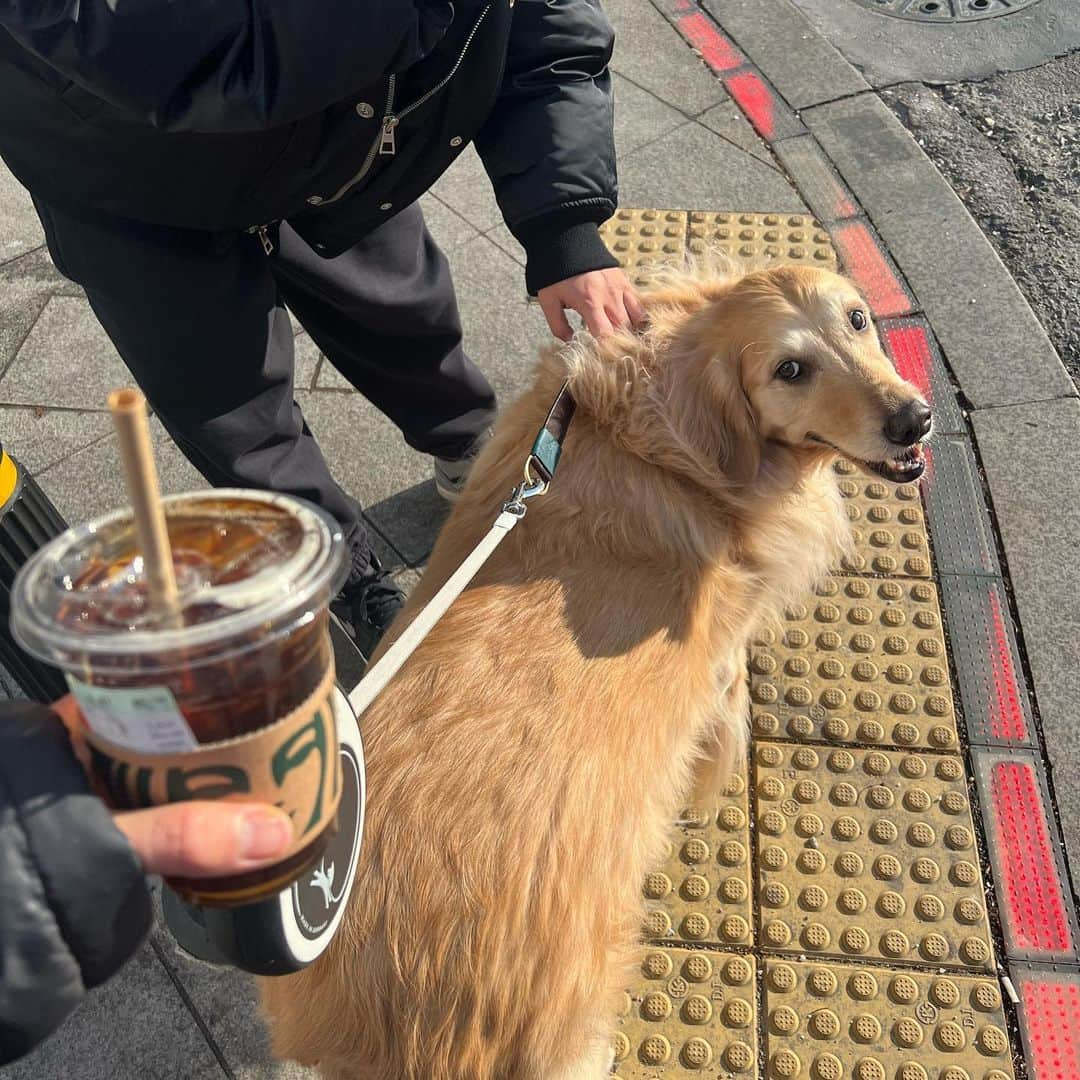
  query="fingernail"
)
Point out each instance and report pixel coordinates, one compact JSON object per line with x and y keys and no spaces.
{"x":264,"y":834}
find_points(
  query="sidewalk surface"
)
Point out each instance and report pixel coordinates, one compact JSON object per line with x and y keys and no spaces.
{"x":885,"y":892}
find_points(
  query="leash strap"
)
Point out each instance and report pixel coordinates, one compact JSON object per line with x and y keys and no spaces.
{"x":543,"y":460}
{"x":547,"y":449}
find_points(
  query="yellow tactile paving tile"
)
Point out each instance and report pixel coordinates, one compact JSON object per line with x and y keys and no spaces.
{"x":868,"y":854}
{"x":701,"y":893}
{"x":638,"y":238}
{"x":690,"y":1014}
{"x":760,"y":239}
{"x":849,"y":885}
{"x":887,"y":525}
{"x":861,"y":660}
{"x":834,"y":1022}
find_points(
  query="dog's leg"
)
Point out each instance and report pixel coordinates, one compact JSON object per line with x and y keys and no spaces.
{"x":595,"y":1064}
{"x":724,"y":750}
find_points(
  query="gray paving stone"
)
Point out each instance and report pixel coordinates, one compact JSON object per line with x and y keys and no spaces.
{"x":640,"y":116}
{"x":66,"y":360}
{"x":691,"y":167}
{"x":816,"y":179}
{"x":21,"y":303}
{"x":40,"y":438}
{"x":91,"y":482}
{"x":20,"y":230}
{"x":793,"y":56}
{"x":503,"y":332}
{"x":650,"y":53}
{"x":989,"y":334}
{"x":227,"y":1002}
{"x":36,"y":266}
{"x":370,"y":459}
{"x":307,"y":361}
{"x":729,"y":122}
{"x":465,"y":188}
{"x":1031,"y":455}
{"x":332,"y":379}
{"x":26,"y":284}
{"x":503,"y":238}
{"x":135,"y":1027}
{"x":447,"y":226}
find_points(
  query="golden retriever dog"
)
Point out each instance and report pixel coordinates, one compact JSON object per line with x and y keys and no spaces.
{"x":527,"y":762}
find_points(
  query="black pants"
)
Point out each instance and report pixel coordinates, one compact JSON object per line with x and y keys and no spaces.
{"x":199,"y":319}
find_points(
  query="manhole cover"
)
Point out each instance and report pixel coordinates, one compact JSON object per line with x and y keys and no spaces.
{"x":945,"y":10}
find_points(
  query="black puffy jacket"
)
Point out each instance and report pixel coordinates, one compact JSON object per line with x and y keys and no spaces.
{"x":224,"y":114}
{"x":74,"y":904}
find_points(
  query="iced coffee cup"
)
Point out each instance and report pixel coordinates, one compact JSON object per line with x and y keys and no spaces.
{"x":226,"y":696}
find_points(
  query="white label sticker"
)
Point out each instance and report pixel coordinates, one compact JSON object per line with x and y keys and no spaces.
{"x":145,"y":719}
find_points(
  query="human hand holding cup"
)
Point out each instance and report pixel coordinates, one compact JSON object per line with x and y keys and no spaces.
{"x":212,"y":687}
{"x":193,"y":839}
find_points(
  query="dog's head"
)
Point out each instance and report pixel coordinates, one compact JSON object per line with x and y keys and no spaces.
{"x":796,"y":365}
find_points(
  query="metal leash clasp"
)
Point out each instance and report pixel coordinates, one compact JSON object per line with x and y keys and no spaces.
{"x":541,"y":463}
{"x":529,"y":488}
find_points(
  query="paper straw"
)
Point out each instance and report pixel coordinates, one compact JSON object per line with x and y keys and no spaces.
{"x":128,"y":408}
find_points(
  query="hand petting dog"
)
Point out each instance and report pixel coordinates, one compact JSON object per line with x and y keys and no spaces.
{"x":605,"y":300}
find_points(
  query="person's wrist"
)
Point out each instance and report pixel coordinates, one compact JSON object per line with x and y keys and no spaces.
{"x":561,"y":245}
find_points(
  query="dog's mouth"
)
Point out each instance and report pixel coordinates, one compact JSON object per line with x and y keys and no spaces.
{"x":902,"y":469}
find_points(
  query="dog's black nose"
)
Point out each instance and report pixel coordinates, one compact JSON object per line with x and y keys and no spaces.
{"x":909,"y":423}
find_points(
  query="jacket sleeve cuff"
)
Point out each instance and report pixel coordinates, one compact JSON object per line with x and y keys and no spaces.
{"x":74,"y":905}
{"x":559,"y":245}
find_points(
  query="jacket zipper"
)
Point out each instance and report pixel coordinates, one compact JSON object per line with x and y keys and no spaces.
{"x":385,"y":144}
{"x":263,"y":233}
{"x":450,"y":74}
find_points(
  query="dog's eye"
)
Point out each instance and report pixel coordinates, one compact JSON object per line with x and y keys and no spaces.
{"x":858,"y":319}
{"x":789,"y":370}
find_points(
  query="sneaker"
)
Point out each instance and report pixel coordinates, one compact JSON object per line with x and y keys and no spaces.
{"x":366,"y":609}
{"x":452,"y":476}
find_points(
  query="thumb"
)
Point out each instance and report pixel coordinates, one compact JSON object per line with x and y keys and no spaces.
{"x":206,"y":839}
{"x":552,"y":308}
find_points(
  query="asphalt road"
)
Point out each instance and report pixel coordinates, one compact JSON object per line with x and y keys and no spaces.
{"x":1010,"y":148}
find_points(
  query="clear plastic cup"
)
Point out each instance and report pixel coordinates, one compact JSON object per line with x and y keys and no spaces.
{"x":229,"y":699}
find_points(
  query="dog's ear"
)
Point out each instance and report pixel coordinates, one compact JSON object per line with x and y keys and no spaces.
{"x":738,"y":439}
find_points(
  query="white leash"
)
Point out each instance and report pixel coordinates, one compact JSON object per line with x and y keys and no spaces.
{"x":542,"y":460}
{"x":389,"y":664}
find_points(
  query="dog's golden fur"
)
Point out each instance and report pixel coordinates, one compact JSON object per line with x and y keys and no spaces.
{"x":527,"y":762}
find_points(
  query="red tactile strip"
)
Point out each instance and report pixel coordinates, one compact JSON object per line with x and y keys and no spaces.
{"x":993,"y":691}
{"x":764,"y":108}
{"x":1037,"y":917}
{"x":756,"y":100}
{"x":864,"y":257}
{"x":914,"y":351}
{"x":715,"y":49}
{"x":1049,"y":1008}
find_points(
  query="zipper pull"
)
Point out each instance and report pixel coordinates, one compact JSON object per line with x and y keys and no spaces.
{"x":264,"y":235}
{"x":388,"y":145}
